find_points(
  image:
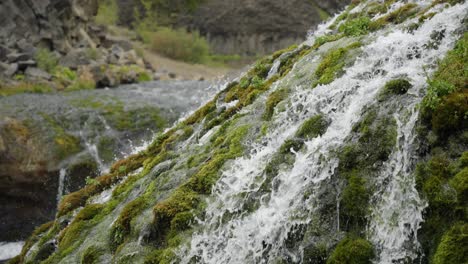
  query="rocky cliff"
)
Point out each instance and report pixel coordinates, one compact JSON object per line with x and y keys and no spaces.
{"x":54,"y":24}
{"x":244,"y":27}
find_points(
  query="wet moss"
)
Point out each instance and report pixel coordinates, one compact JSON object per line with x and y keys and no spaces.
{"x":37,"y":234}
{"x":313,"y":127}
{"x":355,"y":201}
{"x":66,"y":144}
{"x":172,"y":214}
{"x":442,"y":181}
{"x":91,"y":255}
{"x":452,"y":248}
{"x":450,"y":115}
{"x":396,"y":17}
{"x":355,"y":27}
{"x":332,"y":65}
{"x":70,"y":234}
{"x":395,"y":87}
{"x":352,"y":251}
{"x":201,"y":113}
{"x":273,"y":100}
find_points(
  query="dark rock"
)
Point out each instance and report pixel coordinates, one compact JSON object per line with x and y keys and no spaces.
{"x":36,"y":73}
{"x":15,"y":57}
{"x":23,"y":65}
{"x":45,"y":250}
{"x":172,"y":75}
{"x":4,"y":51}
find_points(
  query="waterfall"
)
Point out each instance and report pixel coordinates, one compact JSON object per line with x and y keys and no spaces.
{"x":61,"y":184}
{"x":259,"y":236}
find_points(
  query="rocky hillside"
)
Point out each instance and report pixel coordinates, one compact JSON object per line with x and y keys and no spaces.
{"x":243,"y":27}
{"x":55,"y":43}
{"x":349,"y":148}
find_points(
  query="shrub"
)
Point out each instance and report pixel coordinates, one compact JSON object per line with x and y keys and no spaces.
{"x":180,"y":45}
{"x":352,"y":251}
{"x":46,"y":60}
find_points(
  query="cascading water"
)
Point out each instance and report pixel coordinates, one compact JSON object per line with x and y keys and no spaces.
{"x":259,"y":236}
{"x":236,"y":183}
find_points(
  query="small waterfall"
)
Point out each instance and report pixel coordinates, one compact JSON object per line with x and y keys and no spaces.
{"x":61,"y":184}
{"x":259,"y":236}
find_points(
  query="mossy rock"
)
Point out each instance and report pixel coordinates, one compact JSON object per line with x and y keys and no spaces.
{"x":313,"y":127}
{"x":352,"y":251}
{"x":395,"y":87}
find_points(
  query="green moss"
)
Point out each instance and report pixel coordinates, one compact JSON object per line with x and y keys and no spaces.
{"x":319,"y":41}
{"x":70,"y":234}
{"x":355,"y":200}
{"x":452,"y":248}
{"x":352,"y":251}
{"x":65,"y":143}
{"x":313,"y":127}
{"x":396,"y":17}
{"x":355,"y":27}
{"x":398,"y":87}
{"x":121,"y":227}
{"x":201,"y":113}
{"x":174,"y":213}
{"x":451,"y":115}
{"x":273,"y":100}
{"x":332,"y":65}
{"x":91,"y":255}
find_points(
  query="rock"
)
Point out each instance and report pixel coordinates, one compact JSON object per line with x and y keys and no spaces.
{"x":45,"y":250}
{"x":15,"y":57}
{"x":11,"y":70}
{"x":36,"y":73}
{"x":172,"y":75}
{"x":4,"y":51}
{"x":23,"y":65}
{"x":108,"y":41}
{"x":74,"y":59}
{"x":104,"y":77}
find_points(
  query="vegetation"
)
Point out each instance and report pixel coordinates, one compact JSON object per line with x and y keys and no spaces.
{"x":46,"y":60}
{"x":441,"y":179}
{"x":352,"y":251}
{"x":180,"y":45}
{"x":395,"y":87}
{"x":312,"y":127}
{"x":107,"y":12}
{"x":332,"y":65}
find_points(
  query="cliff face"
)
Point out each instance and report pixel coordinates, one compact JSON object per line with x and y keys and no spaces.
{"x":245,"y":27}
{"x":55,"y":24}
{"x":251,"y":27}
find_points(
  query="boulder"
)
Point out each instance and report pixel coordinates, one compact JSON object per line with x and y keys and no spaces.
{"x":104,"y":77}
{"x":11,"y":70}
{"x":37,"y":74}
{"x":74,"y":59}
